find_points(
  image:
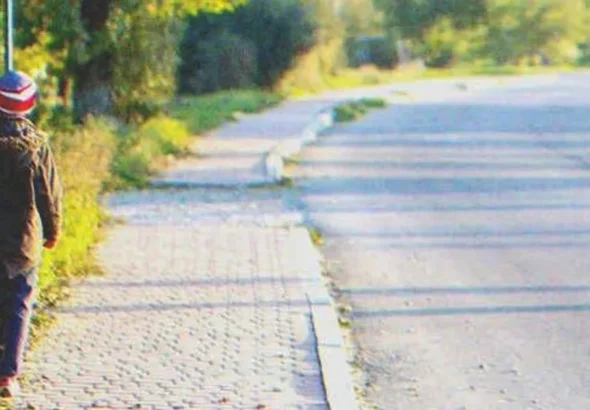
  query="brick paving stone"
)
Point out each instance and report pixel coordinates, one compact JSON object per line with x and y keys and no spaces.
{"x":192,"y":313}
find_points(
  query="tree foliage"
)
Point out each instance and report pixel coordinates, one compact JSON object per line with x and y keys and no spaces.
{"x":112,"y":54}
{"x":499,"y":31}
{"x":112,"y":51}
{"x":412,"y":18}
{"x":360,"y":17}
{"x":519,"y":29}
{"x":254,"y":45}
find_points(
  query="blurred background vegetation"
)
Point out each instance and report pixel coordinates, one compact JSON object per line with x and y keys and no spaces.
{"x":129,"y":82}
{"x":127,"y":58}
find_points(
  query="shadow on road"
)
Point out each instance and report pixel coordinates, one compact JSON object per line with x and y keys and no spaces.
{"x":471,"y":310}
{"x":486,"y":290}
{"x":501,"y":167}
{"x":475,"y":118}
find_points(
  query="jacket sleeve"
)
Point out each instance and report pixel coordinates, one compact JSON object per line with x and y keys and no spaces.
{"x":48,"y":194}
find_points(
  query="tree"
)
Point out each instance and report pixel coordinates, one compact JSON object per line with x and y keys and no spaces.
{"x":504,"y":31}
{"x":518,"y":30}
{"x":254,"y":45}
{"x":361,"y":18}
{"x":89,"y":35}
{"x":411,"y":20}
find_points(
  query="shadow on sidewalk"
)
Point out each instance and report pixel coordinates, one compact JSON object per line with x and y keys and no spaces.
{"x":162,"y":307}
{"x":191,"y":283}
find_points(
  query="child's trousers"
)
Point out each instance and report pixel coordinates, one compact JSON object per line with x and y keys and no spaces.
{"x":16,"y":308}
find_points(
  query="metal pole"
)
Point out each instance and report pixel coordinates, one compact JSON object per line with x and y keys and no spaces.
{"x":8,"y":29}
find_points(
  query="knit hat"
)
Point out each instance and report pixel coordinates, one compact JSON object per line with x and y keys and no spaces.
{"x":18,"y":94}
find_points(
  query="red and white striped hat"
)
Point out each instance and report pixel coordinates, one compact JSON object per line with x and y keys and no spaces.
{"x":18,"y":93}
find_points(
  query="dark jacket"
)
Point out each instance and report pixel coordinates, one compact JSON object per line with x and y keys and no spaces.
{"x":30,"y":195}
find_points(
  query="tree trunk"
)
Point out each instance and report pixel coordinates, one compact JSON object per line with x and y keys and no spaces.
{"x":92,"y":88}
{"x":93,"y":78}
{"x":64,"y":90}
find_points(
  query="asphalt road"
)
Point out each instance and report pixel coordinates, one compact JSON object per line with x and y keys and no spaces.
{"x":458,"y":226}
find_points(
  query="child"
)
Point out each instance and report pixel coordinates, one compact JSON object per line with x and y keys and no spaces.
{"x":30,"y":213}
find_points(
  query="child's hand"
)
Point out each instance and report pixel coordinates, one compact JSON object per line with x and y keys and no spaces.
{"x":50,"y":243}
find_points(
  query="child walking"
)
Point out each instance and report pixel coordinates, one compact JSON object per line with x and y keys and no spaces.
{"x":30,"y":213}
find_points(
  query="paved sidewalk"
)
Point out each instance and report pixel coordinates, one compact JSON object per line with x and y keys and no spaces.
{"x":234,"y":154}
{"x":205,"y":311}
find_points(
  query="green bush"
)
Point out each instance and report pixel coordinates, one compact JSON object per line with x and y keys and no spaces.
{"x":373,"y":102}
{"x":143,"y":150}
{"x":138,"y":111}
{"x":129,"y":170}
{"x":143,"y":59}
{"x":83,"y":157}
{"x":221,"y":62}
{"x":209,"y":111}
{"x":352,"y":110}
{"x":359,"y":107}
{"x":254,"y":45}
{"x":440,"y":44}
{"x":349,"y":111}
{"x":170,"y":136}
{"x":371,"y":50}
{"x":60,"y":118}
{"x":345,"y":113}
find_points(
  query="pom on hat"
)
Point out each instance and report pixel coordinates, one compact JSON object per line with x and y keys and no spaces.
{"x":18,"y":93}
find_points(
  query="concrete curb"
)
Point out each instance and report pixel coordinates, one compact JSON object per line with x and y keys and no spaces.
{"x":274,"y":160}
{"x":336,"y":374}
{"x":331,"y":348}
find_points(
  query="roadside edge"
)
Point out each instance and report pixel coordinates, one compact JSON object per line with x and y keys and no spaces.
{"x":331,"y":348}
{"x":274,"y":160}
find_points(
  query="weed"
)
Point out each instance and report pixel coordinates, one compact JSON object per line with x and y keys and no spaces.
{"x":346,"y":112}
{"x":203,"y":113}
{"x":373,"y":102}
{"x":352,"y":110}
{"x":286,"y":182}
{"x":343,"y":322}
{"x":316,"y":236}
